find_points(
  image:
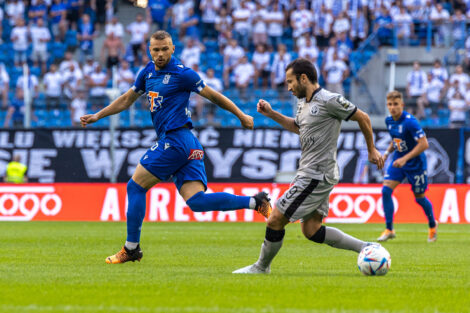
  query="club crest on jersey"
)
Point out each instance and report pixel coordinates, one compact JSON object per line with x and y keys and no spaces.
{"x":314,"y":109}
{"x":166,"y":79}
{"x":196,"y":154}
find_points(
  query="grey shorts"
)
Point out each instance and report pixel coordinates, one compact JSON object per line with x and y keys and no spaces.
{"x":304,"y":197}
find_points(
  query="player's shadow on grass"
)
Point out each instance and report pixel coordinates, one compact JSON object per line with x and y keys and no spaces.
{"x":316,"y":274}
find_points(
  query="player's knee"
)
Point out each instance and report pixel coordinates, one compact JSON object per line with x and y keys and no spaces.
{"x":419,"y":196}
{"x":386,"y":191}
{"x":273,"y":235}
{"x":133,"y":187}
{"x":197,"y":203}
{"x":319,"y":236}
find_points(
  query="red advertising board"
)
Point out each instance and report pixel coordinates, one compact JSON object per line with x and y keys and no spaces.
{"x":349,"y":203}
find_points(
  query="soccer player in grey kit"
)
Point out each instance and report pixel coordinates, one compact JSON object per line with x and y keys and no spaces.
{"x":318,"y":123}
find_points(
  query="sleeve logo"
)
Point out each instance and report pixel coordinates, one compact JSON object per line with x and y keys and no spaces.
{"x":196,"y":154}
{"x":343,"y":102}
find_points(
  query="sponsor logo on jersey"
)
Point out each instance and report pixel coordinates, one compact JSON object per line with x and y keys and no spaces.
{"x":196,"y":154}
{"x":166,"y":79}
{"x":155,"y":101}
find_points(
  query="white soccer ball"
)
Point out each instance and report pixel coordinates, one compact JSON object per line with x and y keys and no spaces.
{"x":374,"y":260}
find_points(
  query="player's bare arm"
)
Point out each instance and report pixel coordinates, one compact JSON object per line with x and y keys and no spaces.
{"x":120,"y":104}
{"x":227,"y":104}
{"x":264,"y":107}
{"x":389,"y":150}
{"x":366,"y":128}
{"x":417,"y":150}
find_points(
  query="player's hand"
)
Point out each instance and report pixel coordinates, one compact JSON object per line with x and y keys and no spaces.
{"x":264,"y":107}
{"x":88,"y":119}
{"x":399,"y":163}
{"x":247,"y":121}
{"x":376,"y":158}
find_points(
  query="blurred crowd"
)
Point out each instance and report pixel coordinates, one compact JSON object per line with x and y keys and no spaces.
{"x":232,"y":44}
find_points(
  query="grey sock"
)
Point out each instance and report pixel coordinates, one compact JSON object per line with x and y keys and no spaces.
{"x":336,"y":238}
{"x":131,"y":245}
{"x":268,"y":252}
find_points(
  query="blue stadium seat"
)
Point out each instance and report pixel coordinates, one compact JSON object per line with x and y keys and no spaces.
{"x":58,"y":50}
{"x":71,"y":39}
{"x":211,"y":46}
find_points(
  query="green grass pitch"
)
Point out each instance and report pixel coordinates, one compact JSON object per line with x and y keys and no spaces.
{"x":59,"y":267}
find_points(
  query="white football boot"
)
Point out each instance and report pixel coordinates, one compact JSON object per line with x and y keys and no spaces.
{"x":253,"y":269}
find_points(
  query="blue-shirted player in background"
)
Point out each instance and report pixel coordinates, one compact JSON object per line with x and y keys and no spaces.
{"x":409,"y":142}
{"x":178,"y":154}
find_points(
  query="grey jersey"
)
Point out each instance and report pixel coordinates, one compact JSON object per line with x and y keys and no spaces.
{"x":319,"y":123}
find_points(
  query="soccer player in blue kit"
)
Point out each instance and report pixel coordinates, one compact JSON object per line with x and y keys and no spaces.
{"x":409,"y":142}
{"x":177,"y":153}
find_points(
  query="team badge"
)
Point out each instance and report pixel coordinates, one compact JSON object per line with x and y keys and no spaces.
{"x":314,"y":109}
{"x":166,"y":79}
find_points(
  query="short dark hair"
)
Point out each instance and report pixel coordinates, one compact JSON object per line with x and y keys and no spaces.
{"x":303,"y":66}
{"x":160,"y":35}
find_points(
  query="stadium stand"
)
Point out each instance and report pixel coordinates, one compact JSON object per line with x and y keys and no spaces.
{"x":329,"y":32}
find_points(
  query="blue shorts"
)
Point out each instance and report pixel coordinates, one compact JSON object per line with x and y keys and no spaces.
{"x":178,"y":154}
{"x":417,"y":178}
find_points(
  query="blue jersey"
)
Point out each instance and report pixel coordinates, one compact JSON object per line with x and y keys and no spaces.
{"x":168,"y":92}
{"x":405,"y":134}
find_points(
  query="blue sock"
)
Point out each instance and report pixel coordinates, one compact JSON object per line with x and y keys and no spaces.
{"x":135,"y":210}
{"x":388,"y":206}
{"x":218,"y":201}
{"x":427,"y":207}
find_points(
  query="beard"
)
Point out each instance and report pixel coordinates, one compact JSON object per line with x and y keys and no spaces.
{"x":301,"y":92}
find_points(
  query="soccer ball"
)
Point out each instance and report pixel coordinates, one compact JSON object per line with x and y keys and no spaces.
{"x":374,"y":260}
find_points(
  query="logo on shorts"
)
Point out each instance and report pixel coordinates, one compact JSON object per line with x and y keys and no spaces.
{"x":146,"y":157}
{"x":196,"y":154}
{"x":291,"y":192}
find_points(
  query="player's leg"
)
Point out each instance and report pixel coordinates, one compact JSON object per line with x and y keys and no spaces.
{"x":272,"y":243}
{"x":419,"y":185}
{"x":393,"y":178}
{"x":137,"y":188}
{"x":191,"y":181}
{"x":290,"y":207}
{"x":389,"y":209}
{"x":193,"y":192}
{"x":313,"y":230}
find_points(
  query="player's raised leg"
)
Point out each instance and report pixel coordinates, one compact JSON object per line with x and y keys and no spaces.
{"x":199,"y":201}
{"x":137,"y":188}
{"x":389,"y":210}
